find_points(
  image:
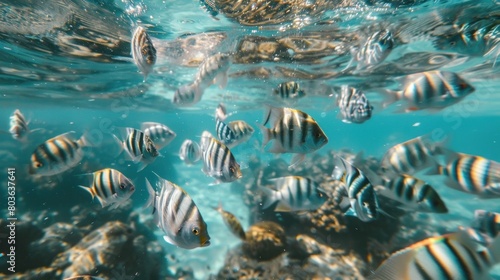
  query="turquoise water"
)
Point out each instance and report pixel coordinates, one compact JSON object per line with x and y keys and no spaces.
{"x":67,"y":66}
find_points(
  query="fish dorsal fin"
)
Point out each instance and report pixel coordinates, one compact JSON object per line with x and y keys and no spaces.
{"x":273,"y":115}
{"x":65,"y":135}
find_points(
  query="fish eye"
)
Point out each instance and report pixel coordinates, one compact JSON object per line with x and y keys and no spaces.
{"x":196,"y":231}
{"x":462,"y":85}
{"x":122,"y":186}
{"x":38,"y":164}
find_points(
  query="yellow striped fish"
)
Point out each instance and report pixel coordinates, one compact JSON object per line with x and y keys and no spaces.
{"x":231,"y":222}
{"x":57,"y":154}
{"x":218,"y":161}
{"x":431,"y":90}
{"x":293,"y":131}
{"x":452,"y":256}
{"x":176,"y":214}
{"x":161,"y":134}
{"x":410,"y":156}
{"x":110,"y":187}
{"x":471,"y":174}
{"x":143,"y":51}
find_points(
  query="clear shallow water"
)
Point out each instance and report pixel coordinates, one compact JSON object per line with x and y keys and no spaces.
{"x":71,"y":70}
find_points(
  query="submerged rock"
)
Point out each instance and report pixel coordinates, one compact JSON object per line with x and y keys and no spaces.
{"x":264,"y":241}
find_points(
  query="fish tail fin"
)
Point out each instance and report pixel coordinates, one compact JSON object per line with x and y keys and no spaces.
{"x":340,"y":169}
{"x":89,"y":190}
{"x":220,"y":112}
{"x":267,"y":134}
{"x":152,"y":195}
{"x":389,"y":97}
{"x":141,"y":165}
{"x":119,"y":143}
{"x":90,"y":140}
{"x":270,"y":197}
{"x":218,"y":208}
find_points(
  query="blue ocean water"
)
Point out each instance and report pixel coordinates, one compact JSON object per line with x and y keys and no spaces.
{"x":67,"y":66}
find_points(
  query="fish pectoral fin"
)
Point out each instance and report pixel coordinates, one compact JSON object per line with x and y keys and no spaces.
{"x":281,"y":207}
{"x":169,"y":240}
{"x":298,"y":158}
{"x":350,"y":212}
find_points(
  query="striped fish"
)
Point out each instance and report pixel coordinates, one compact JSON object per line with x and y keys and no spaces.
{"x":487,"y":222}
{"x":18,"y":126}
{"x":353,"y":105}
{"x":110,"y":187}
{"x":190,"y":152}
{"x":187,"y":95}
{"x":84,"y":277}
{"x":161,"y":134}
{"x":293,"y":131}
{"x":410,"y":156}
{"x":242,"y":132}
{"x":143,"y":51}
{"x":213,"y":70}
{"x":294,"y":193}
{"x":413,"y":193}
{"x":231,"y":222}
{"x":57,"y":154}
{"x":218,"y":161}
{"x":361,"y":199}
{"x":484,"y":228}
{"x":289,"y":90}
{"x":374,"y":50}
{"x":224,"y":132}
{"x":471,"y":174}
{"x":138,"y":146}
{"x":452,"y":256}
{"x":176,"y":214}
{"x":431,"y":90}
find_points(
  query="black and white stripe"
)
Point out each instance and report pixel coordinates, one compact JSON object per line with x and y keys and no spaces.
{"x":413,"y":193}
{"x":110,"y":186}
{"x":360,"y":190}
{"x":161,"y":134}
{"x":190,"y":152}
{"x":296,"y":193}
{"x":177,"y":215}
{"x":224,"y":132}
{"x":409,"y":157}
{"x":57,"y":155}
{"x":487,"y":222}
{"x":353,"y":105}
{"x":218,"y":161}
{"x":289,"y":90}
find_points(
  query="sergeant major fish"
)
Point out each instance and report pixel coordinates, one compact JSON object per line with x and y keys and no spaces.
{"x":294,"y":193}
{"x":412,"y":193}
{"x":57,"y":154}
{"x":176,"y":214}
{"x":361,"y":200}
{"x":161,"y":134}
{"x":353,"y":105}
{"x":232,"y":133}
{"x":138,"y":146}
{"x":430,"y":90}
{"x":485,"y":227}
{"x":289,"y":90}
{"x":110,"y":187}
{"x":143,"y":51}
{"x":410,"y":156}
{"x":467,"y":173}
{"x":293,"y":131}
{"x":190,"y":152}
{"x":451,"y":256}
{"x":218,"y":161}
{"x":19,"y":126}
{"x":231,"y":222}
